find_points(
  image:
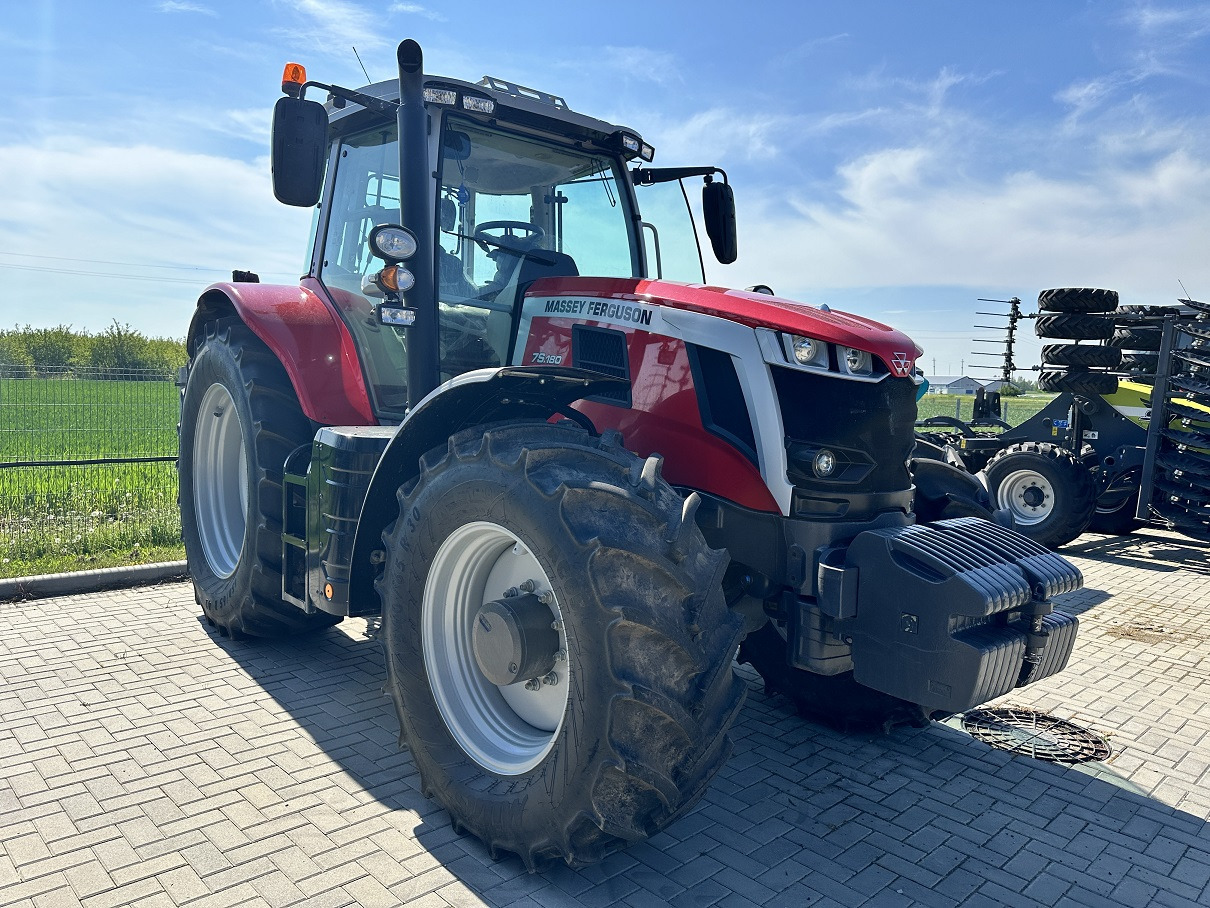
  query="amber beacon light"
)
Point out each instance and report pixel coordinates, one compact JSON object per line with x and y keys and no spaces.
{"x":293,"y":77}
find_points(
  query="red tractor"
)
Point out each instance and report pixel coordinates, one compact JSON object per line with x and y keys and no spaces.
{"x":570,"y":498}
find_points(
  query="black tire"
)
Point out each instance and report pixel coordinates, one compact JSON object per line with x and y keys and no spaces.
{"x":1134,"y":314}
{"x":1048,"y":491}
{"x":647,"y":636}
{"x":1078,"y":382}
{"x":1074,"y":326}
{"x":234,"y":548}
{"x":1092,"y":355}
{"x":1114,"y":513}
{"x":1077,"y":299}
{"x":1141,"y":338}
{"x":1140,"y":363}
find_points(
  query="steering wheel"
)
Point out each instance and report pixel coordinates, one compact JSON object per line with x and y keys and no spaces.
{"x":508,"y":240}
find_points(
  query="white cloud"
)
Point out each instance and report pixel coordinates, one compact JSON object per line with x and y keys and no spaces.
{"x":415,"y":9}
{"x":905,"y":221}
{"x":639,"y":64}
{"x":333,"y":27}
{"x":137,"y":204}
{"x":180,"y":6}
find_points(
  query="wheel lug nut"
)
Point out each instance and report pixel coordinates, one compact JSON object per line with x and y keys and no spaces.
{"x":527,"y":586}
{"x":533,"y":684}
{"x":552,"y":679}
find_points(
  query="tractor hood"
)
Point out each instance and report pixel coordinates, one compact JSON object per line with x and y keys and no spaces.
{"x":757,"y":310}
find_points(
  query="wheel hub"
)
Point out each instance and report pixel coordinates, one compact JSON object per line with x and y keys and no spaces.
{"x":514,"y":639}
{"x":1033,"y":497}
{"x":510,"y":727}
{"x":1028,"y":495}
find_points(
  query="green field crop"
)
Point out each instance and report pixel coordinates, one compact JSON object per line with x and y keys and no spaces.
{"x":68,"y":517}
{"x":1015,"y":409}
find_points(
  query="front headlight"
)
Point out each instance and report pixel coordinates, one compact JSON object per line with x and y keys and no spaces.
{"x":807,"y":351}
{"x":858,"y":362}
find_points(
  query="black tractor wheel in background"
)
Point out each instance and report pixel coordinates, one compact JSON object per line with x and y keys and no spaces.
{"x":1140,"y":363}
{"x":1077,"y":299}
{"x":1139,"y":338}
{"x":1092,"y":355}
{"x":1074,"y":326}
{"x":240,"y":419}
{"x":1134,"y":313}
{"x":1047,"y":490}
{"x":558,"y":645}
{"x":1115,"y":510}
{"x":1077,"y":382}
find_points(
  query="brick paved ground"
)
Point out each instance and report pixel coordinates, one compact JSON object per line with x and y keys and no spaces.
{"x":144,"y":761}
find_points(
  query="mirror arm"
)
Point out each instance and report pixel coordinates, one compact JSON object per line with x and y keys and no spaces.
{"x":369,"y":102}
{"x":649,"y":176}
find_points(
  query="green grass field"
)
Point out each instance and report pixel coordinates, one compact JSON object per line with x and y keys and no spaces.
{"x":62,"y":518}
{"x":1016,"y":409}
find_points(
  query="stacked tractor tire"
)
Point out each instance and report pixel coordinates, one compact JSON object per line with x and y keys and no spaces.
{"x":1111,"y":341}
{"x":1180,"y":431}
{"x":1086,"y":362}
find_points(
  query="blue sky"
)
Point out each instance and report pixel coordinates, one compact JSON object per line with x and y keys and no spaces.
{"x":895,"y":159}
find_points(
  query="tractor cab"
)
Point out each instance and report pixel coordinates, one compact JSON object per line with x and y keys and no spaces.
{"x":521,"y":188}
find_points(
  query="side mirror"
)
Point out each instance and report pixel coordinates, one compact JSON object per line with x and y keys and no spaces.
{"x":300,"y":139}
{"x":718,"y":209}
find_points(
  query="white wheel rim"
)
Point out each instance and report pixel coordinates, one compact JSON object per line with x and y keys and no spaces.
{"x":1028,"y":495}
{"x":220,"y":481}
{"x":506,"y":729}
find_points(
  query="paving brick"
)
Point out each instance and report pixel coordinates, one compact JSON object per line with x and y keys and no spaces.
{"x":174,"y":759}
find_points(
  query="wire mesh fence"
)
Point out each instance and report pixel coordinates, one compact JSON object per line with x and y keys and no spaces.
{"x":86,"y":463}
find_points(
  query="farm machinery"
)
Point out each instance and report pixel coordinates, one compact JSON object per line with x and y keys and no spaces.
{"x":567,"y":487}
{"x":1126,"y":438}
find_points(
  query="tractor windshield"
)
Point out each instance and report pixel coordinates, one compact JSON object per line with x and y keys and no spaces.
{"x":510,"y":209}
{"x":513,"y":209}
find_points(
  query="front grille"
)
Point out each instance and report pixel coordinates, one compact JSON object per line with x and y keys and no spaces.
{"x":869,"y":425}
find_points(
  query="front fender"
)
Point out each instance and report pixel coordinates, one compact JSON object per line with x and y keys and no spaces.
{"x":308,"y":338}
{"x":472,"y":399}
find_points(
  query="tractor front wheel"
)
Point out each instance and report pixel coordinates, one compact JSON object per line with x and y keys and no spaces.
{"x":1048,"y":491}
{"x":240,"y":419}
{"x":558,"y":646}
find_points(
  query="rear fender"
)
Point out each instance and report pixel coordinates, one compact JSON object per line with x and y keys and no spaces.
{"x":471,"y":399}
{"x":307,"y":337}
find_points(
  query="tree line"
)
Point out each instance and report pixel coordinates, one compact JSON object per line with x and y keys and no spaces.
{"x":119,"y":351}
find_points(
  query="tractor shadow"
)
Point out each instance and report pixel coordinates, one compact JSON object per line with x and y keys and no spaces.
{"x":799,"y":813}
{"x":1147,"y":549}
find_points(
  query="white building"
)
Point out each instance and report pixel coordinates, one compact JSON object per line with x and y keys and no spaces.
{"x":953,"y":384}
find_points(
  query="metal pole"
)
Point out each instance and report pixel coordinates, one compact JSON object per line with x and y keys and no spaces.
{"x":418,"y":214}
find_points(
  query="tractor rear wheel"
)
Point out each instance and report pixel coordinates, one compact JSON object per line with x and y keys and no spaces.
{"x":240,"y":419}
{"x":1048,"y":491}
{"x":558,"y":646}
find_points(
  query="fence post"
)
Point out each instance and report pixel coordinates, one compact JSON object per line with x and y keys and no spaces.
{"x":958,"y":408}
